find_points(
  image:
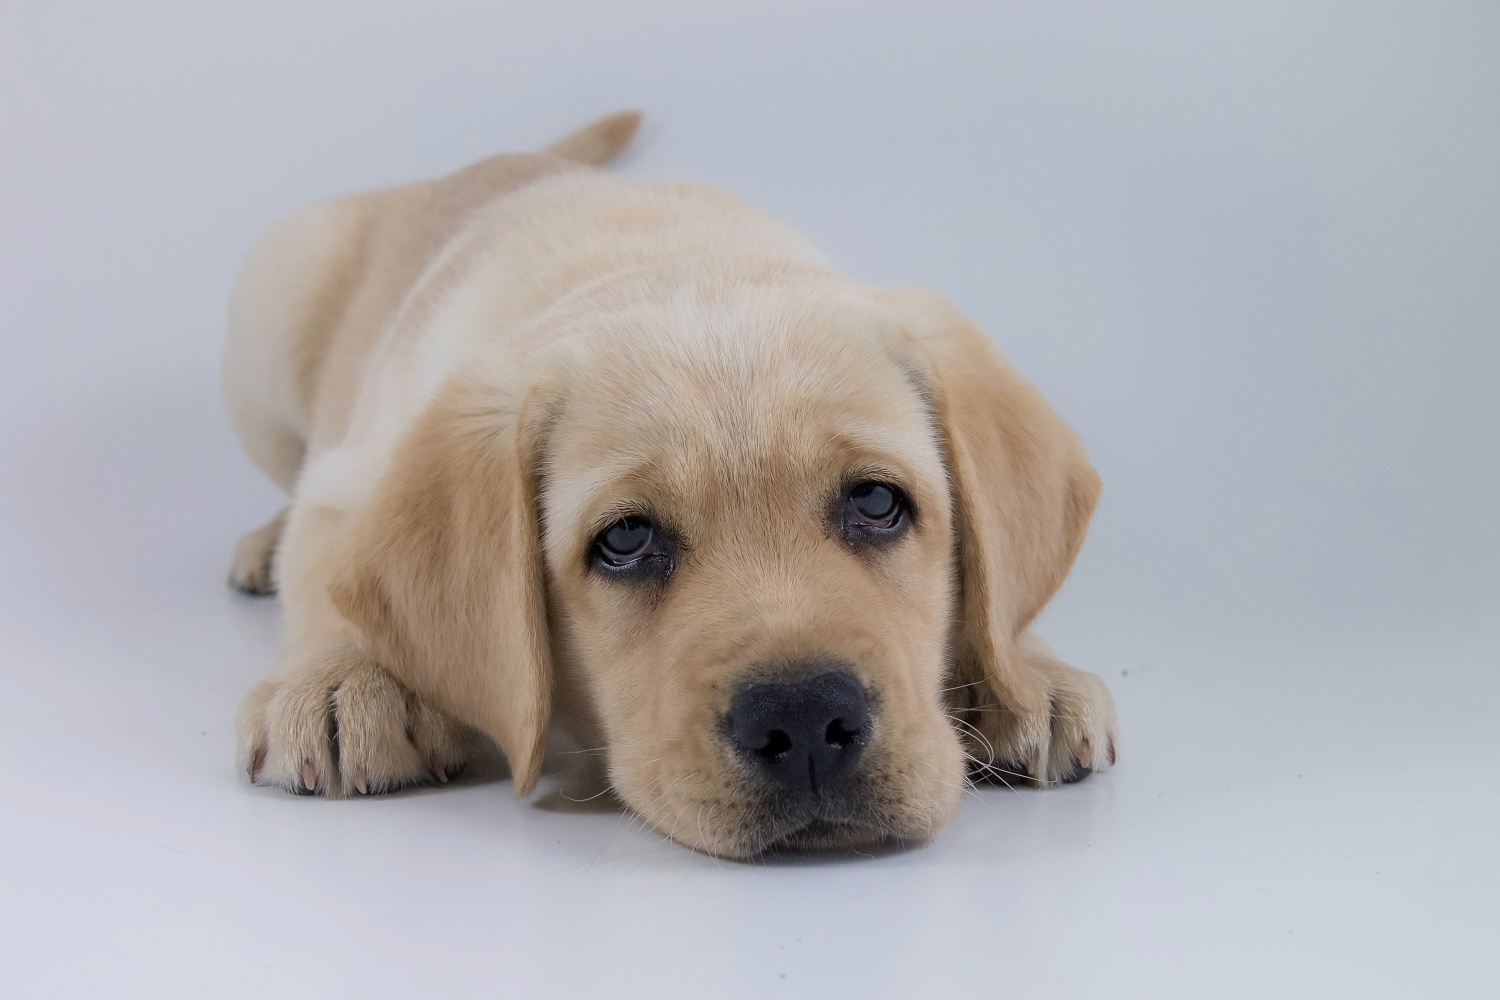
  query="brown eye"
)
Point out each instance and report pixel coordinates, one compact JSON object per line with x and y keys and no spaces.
{"x":628,"y":540}
{"x":873,"y":513}
{"x":874,"y":504}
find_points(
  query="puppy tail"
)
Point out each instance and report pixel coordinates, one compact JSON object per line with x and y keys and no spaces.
{"x":598,"y":142}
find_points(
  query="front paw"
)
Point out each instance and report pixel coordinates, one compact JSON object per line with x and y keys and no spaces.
{"x":343,"y":726}
{"x":1074,"y":737}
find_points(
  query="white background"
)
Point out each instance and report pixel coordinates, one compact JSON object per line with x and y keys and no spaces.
{"x":1251,"y":252}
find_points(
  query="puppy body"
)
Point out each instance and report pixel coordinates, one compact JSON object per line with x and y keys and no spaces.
{"x":463,"y":383}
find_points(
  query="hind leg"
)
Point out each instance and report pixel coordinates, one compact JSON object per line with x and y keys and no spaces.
{"x":250,"y":571}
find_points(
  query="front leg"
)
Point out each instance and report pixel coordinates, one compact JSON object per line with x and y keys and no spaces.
{"x":1067,"y":742}
{"x":337,"y":724}
{"x":329,"y":720}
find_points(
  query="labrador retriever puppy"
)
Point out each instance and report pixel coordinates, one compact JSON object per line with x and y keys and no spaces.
{"x":633,"y":458}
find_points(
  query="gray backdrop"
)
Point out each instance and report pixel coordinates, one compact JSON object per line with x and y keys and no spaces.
{"x":1251,"y":252}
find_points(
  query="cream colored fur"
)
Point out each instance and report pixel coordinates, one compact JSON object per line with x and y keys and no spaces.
{"x":461,"y":382}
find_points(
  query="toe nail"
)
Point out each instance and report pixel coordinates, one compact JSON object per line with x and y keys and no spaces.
{"x":257,"y":761}
{"x":310,"y":776}
{"x":359,"y":783}
{"x":1082,"y":754}
{"x":1111,"y":752}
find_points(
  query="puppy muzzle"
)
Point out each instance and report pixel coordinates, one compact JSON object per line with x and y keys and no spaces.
{"x":801,"y":735}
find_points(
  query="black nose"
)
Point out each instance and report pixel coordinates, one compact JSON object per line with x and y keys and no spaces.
{"x":804,"y":735}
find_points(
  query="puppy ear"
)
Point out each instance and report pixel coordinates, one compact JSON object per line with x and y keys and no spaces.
{"x":1023,"y":492}
{"x":443,"y":577}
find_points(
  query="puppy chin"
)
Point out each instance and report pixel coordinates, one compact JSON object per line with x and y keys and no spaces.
{"x":816,"y":828}
{"x":815,"y":836}
{"x":828,"y":835}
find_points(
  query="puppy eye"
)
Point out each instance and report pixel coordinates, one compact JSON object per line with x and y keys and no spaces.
{"x":873,"y":511}
{"x":627,"y":542}
{"x":874,"y":504}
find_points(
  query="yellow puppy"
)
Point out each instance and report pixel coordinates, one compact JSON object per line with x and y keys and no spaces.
{"x":633,"y":458}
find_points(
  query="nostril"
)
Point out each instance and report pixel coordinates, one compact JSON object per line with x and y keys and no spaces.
{"x":839,"y":735}
{"x":777,"y":743}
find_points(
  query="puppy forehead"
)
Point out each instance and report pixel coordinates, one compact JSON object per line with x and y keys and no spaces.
{"x":676,"y":403}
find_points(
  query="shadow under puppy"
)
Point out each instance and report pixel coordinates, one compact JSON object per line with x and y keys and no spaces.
{"x":634,"y":458}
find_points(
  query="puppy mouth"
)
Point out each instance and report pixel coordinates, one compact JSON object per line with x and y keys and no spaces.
{"x":825,"y":835}
{"x":815,"y":825}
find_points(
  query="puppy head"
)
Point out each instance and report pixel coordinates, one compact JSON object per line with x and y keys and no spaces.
{"x":753,"y":515}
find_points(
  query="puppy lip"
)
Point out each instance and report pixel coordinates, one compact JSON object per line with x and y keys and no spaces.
{"x":819,"y":834}
{"x":812,"y":824}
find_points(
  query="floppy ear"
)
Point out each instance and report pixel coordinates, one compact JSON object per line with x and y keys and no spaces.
{"x":1023,"y":492}
{"x":443,"y":577}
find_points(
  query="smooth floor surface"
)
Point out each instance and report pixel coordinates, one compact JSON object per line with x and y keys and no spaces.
{"x":1312,"y":825}
{"x":1248,"y":250}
